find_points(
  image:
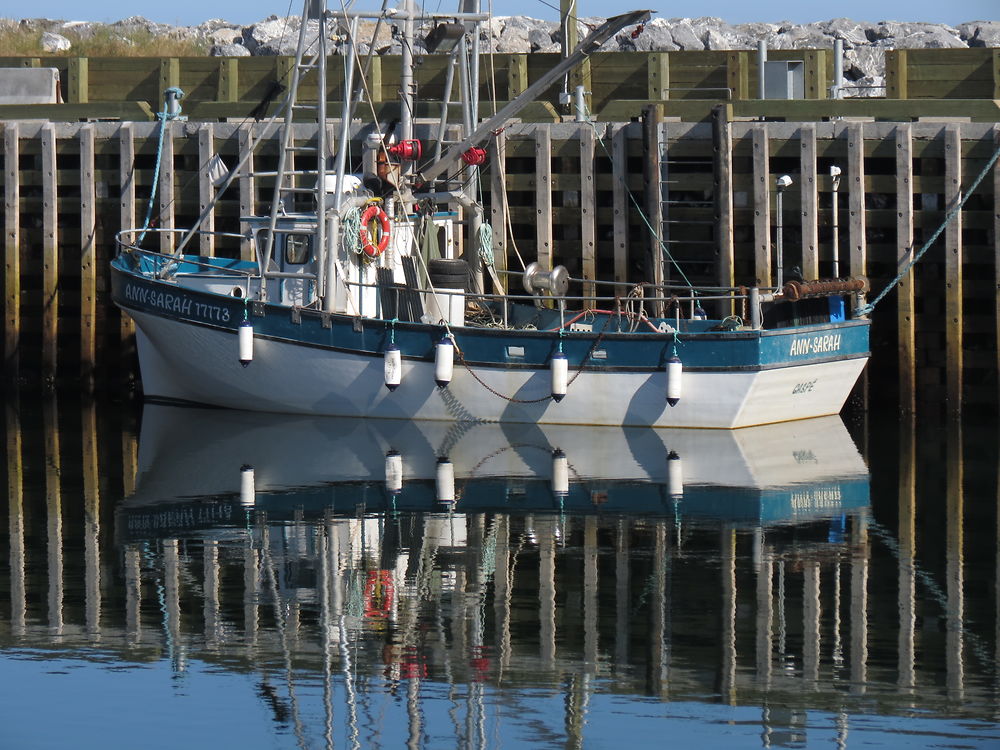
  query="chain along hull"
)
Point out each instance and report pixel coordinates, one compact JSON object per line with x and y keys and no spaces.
{"x":187,"y":361}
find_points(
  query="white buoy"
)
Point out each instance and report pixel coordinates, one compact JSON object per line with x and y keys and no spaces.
{"x":246,"y":342}
{"x":674,"y":371}
{"x":393,"y":472}
{"x":444,"y":358}
{"x":560,"y":473}
{"x":248,"y":494}
{"x":675,"y":475}
{"x":393,"y":367}
{"x":560,"y":373}
{"x":445,"y":476}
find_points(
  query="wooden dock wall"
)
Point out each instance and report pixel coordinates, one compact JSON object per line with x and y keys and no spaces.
{"x":69,"y":187}
{"x":218,"y":87}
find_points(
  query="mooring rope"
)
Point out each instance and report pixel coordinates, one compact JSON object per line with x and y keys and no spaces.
{"x":163,"y":118}
{"x":949,"y":217}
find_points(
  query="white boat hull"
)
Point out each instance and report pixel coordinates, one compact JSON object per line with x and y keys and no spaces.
{"x":194,"y":363}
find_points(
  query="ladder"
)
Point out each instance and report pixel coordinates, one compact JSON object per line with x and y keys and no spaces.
{"x":309,"y":60}
{"x":695,"y":255}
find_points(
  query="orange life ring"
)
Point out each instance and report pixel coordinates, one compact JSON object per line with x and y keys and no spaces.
{"x":368,"y":247}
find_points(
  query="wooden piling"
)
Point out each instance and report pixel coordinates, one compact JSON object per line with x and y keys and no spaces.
{"x":620,"y":201}
{"x":50,"y":255}
{"x":809,"y":187}
{"x":165,"y":193}
{"x":588,"y":205}
{"x":88,"y":260}
{"x":954,"y":352}
{"x":955,"y":623}
{"x":246,"y":180}
{"x":206,"y":190}
{"x":652,"y":121}
{"x":92,"y":518}
{"x":722,"y":138}
{"x":761,"y":206}
{"x":996,"y":245}
{"x":53,"y":513}
{"x":12,"y":251}
{"x":126,"y":213}
{"x":499,"y":210}
{"x":543,"y":197}
{"x":15,"y":516}
{"x":905,"y":316}
{"x":907,"y":549}
{"x":858,"y":257}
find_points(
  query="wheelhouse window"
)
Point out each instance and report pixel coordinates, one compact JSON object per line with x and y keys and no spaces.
{"x":298,"y":249}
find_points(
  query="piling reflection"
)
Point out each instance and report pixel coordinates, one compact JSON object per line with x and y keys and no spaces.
{"x":340,"y":561}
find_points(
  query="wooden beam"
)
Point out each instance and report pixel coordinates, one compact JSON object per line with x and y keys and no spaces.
{"x":762,"y":206}
{"x":588,"y":208}
{"x":543,"y":196}
{"x":165,"y":192}
{"x":723,"y":167}
{"x":996,"y":262}
{"x":88,"y":260}
{"x":170,"y":75}
{"x":498,"y":200}
{"x":896,"y":74}
{"x":996,"y":74}
{"x":657,"y":75}
{"x":906,"y":311}
{"x":517,"y":76}
{"x":50,"y":255}
{"x":229,"y":80}
{"x":126,"y":172}
{"x":78,"y":85}
{"x":653,"y":267}
{"x":247,"y":203}
{"x":12,"y":251}
{"x":620,"y":200}
{"x":954,"y":353}
{"x":809,"y":187}
{"x":858,"y":263}
{"x":206,"y":190}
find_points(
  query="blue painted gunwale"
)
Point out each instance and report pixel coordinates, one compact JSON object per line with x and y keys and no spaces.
{"x":641,"y":351}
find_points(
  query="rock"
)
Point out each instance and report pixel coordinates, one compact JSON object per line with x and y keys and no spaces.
{"x":52,"y":42}
{"x":655,"y":36}
{"x":686,"y":37}
{"x":938,"y":38}
{"x":863,"y":62}
{"x":229,"y":50}
{"x":980,"y":33}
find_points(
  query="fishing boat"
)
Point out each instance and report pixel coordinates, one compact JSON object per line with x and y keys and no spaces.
{"x":357,"y":302}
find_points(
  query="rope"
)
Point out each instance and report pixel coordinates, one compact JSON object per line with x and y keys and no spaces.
{"x":512,"y":399}
{"x":486,"y":243}
{"x":163,"y":117}
{"x":949,"y":217}
{"x":350,"y":235}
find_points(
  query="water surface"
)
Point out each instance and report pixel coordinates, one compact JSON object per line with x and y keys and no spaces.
{"x":176,"y":576}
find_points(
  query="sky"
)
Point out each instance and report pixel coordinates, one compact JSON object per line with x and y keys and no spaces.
{"x":191,"y":12}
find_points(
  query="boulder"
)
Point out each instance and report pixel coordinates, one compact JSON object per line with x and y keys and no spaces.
{"x":52,"y":42}
{"x":980,"y":33}
{"x":655,"y":36}
{"x":937,"y":38}
{"x":229,"y":50}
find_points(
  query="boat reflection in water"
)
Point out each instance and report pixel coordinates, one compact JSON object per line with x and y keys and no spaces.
{"x":289,"y":465}
{"x":490,"y":560}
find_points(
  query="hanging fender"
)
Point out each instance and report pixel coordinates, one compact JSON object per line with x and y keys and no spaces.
{"x":368,"y":247}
